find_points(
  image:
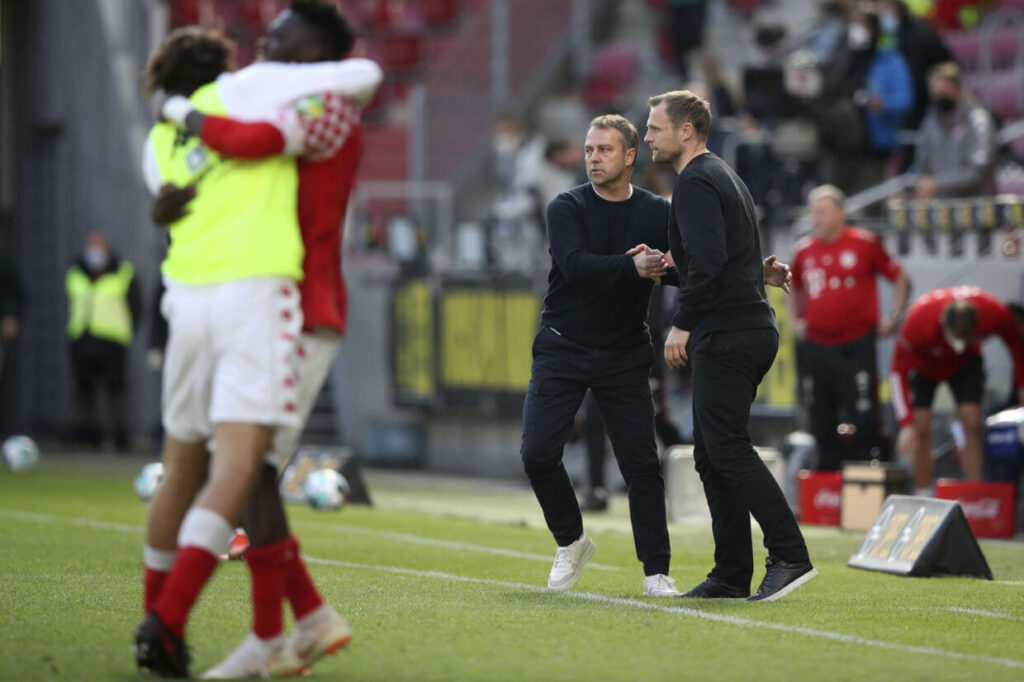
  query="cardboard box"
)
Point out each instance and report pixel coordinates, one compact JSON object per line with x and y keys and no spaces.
{"x":989,"y":507}
{"x":865,"y":487}
{"x":820,"y":496}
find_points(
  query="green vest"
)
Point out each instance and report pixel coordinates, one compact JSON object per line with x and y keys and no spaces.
{"x":100,"y":307}
{"x":243,"y":221}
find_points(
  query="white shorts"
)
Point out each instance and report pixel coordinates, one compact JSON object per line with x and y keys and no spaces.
{"x":317,"y":351}
{"x":231,"y":355}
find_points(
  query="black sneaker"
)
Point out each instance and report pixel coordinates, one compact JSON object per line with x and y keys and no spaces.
{"x":595,"y":500}
{"x":782,"y":577}
{"x":159,"y":650}
{"x":715,"y":589}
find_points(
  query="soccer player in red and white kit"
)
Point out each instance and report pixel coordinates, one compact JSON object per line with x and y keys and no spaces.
{"x":324,"y":132}
{"x":834,"y":311}
{"x":941,"y":341}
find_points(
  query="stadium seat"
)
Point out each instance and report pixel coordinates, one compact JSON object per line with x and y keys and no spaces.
{"x":390,"y":152}
{"x":1004,"y":89}
{"x":439,"y":12}
{"x":965,"y":46}
{"x":613,"y":70}
{"x":968,"y":47}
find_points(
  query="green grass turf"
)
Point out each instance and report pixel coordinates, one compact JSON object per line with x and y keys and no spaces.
{"x":70,"y":595}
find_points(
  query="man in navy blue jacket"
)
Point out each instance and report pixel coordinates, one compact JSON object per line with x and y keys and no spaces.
{"x":607,"y":241}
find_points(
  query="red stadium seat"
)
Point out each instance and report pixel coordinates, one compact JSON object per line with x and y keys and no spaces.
{"x":401,"y":52}
{"x":439,"y":12}
{"x":965,"y":46}
{"x":613,"y":70}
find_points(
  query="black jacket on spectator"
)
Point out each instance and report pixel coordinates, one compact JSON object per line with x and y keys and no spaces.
{"x":923,"y":49}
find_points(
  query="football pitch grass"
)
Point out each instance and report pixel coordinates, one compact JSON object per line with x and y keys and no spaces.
{"x":444,"y":580}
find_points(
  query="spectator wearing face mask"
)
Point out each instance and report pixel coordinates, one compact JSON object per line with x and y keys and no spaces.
{"x":920,"y":45}
{"x":103,"y":307}
{"x":956,"y":151}
{"x":866,"y":104}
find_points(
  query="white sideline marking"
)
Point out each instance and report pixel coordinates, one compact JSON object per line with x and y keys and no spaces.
{"x":450,"y":544}
{"x":987,"y":614}
{"x":683,"y":611}
{"x":585,"y":596}
{"x":404,"y":537}
{"x":73,"y":520}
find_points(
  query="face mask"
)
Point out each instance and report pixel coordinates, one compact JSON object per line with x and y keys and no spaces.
{"x":890,"y":23}
{"x":858,"y":37}
{"x":95,"y":258}
{"x":944,"y":104}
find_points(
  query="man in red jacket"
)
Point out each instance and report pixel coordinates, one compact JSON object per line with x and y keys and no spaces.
{"x":941,"y":341}
{"x":834,"y":309}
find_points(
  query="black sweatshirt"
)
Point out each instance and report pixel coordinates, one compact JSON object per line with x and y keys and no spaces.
{"x":716,"y":246}
{"x":595,"y":296}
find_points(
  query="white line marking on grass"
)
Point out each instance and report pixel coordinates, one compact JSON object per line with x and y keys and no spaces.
{"x":404,"y":537}
{"x":73,"y":520}
{"x":683,"y":611}
{"x":450,"y":544}
{"x":586,"y":596}
{"x":987,"y":614}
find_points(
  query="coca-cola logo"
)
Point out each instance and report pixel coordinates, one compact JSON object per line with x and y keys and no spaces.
{"x":827,"y":499}
{"x":984,"y":508}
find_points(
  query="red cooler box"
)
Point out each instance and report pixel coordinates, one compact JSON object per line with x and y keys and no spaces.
{"x":989,"y":507}
{"x":820,"y":497}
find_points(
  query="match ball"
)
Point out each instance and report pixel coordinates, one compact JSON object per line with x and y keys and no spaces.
{"x":20,"y":453}
{"x":326,"y":490}
{"x":148,"y":479}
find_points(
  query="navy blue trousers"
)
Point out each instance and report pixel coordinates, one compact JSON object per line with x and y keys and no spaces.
{"x":618,"y":378}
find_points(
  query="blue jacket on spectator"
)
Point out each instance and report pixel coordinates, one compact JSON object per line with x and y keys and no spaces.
{"x":889,"y":81}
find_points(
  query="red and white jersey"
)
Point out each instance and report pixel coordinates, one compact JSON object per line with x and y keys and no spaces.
{"x":327,"y":174}
{"x":922,"y":344}
{"x":324,"y":132}
{"x":838,"y":283}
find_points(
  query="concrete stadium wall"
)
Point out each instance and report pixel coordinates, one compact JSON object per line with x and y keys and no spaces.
{"x":77,"y":121}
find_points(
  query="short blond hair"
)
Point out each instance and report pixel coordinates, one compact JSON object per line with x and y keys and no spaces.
{"x":683,"y":106}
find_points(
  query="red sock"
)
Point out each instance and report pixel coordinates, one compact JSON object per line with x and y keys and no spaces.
{"x":302,"y":593}
{"x":153,"y":582}
{"x":269,"y":568}
{"x":192,"y":569}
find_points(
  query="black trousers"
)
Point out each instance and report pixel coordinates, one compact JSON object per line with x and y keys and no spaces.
{"x":727,"y":368}
{"x":561,"y":374}
{"x":593,"y":438}
{"x":840,"y":383}
{"x":91,"y":374}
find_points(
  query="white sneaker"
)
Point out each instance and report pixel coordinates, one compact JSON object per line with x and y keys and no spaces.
{"x":660,"y":585}
{"x":319,"y":633}
{"x":569,"y":560}
{"x":256,"y":657}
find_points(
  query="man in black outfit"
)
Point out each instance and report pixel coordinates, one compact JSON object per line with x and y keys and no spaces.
{"x":724,"y":316}
{"x":607,"y":240}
